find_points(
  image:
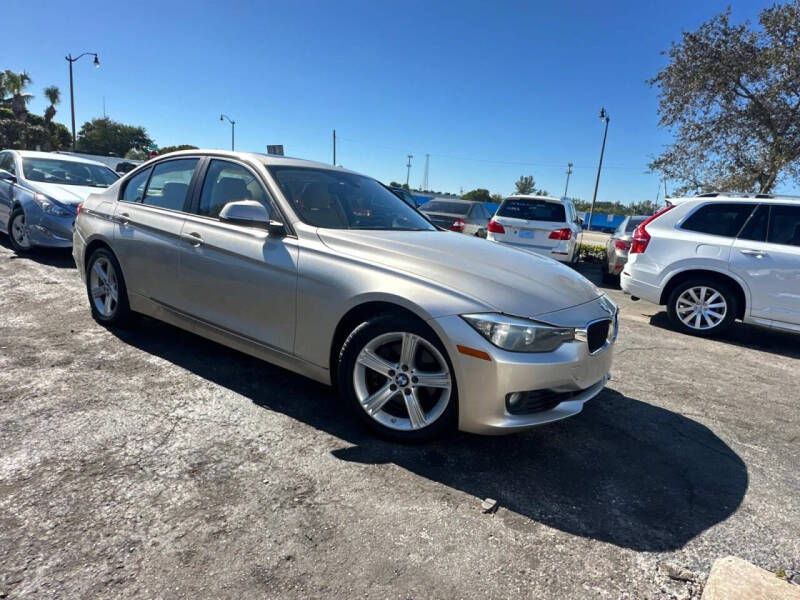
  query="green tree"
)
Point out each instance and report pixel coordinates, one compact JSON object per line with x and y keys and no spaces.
{"x":136,"y":154}
{"x":497,"y":198}
{"x":525,"y":184}
{"x":168,"y":149}
{"x":731,"y":96}
{"x":107,"y":137}
{"x":53,"y":94}
{"x":478,"y":195}
{"x":14,"y":84}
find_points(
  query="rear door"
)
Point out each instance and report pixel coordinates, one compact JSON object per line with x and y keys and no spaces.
{"x":767,"y":256}
{"x":149,"y":217}
{"x":6,"y":188}
{"x":530,"y":221}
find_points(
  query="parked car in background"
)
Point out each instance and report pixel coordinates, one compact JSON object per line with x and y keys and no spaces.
{"x":327,"y":273}
{"x":40,"y":193}
{"x":714,"y":259}
{"x":540,"y":224}
{"x":406,"y":196}
{"x":115,"y":163}
{"x":617,"y":248}
{"x":463,"y":216}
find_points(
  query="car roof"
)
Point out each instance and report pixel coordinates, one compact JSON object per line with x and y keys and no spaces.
{"x":536,"y":197}
{"x":265,"y":159}
{"x":731,"y":197}
{"x":65,"y":157}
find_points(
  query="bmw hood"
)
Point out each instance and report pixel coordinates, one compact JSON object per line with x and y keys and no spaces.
{"x":70,"y":195}
{"x":505,"y":279}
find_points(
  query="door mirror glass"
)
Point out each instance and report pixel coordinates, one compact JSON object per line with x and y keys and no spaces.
{"x":6,"y":176}
{"x":245,"y":212}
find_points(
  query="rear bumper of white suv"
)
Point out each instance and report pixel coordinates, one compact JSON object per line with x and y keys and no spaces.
{"x":634,"y":286}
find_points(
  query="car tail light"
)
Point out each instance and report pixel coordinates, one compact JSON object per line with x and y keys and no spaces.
{"x":458,"y":225}
{"x":561,"y":234}
{"x":78,"y":210}
{"x":622,"y":244}
{"x":640,"y":236}
{"x":495,"y":227}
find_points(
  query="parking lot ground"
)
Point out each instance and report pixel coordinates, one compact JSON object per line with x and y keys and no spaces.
{"x":150,"y":463}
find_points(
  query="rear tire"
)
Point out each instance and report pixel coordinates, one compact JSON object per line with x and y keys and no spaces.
{"x":105,"y":286}
{"x":18,"y":232}
{"x":384,"y":366}
{"x":702,"y":308}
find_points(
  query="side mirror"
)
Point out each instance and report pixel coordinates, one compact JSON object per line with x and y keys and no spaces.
{"x":6,"y":176}
{"x":245,"y":212}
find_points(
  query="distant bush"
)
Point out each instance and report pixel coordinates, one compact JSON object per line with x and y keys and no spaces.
{"x":592,"y":253}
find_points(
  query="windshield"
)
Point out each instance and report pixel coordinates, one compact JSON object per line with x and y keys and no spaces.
{"x":532,"y":210}
{"x":450,"y":208}
{"x":67,"y":172}
{"x":341,"y":200}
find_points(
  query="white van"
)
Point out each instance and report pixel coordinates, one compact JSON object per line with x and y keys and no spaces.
{"x":540,"y":224}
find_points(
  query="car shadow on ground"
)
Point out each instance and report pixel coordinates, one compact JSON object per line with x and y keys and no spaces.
{"x":623,"y":471}
{"x":60,"y":258}
{"x":745,"y":335}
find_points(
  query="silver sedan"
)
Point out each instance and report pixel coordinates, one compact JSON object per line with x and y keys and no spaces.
{"x":617,"y":248}
{"x":327,"y":273}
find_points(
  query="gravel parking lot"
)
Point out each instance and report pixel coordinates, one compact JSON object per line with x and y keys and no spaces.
{"x":153,"y":464}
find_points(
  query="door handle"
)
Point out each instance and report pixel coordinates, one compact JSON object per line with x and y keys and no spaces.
{"x":756,"y":253}
{"x":194,"y":238}
{"x":124,"y":219}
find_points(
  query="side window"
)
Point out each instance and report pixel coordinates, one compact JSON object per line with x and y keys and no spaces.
{"x":784,"y":225}
{"x":134,"y":189}
{"x":756,"y":227}
{"x":719,"y":218}
{"x":169,"y":183}
{"x":228,"y":182}
{"x":7,"y":163}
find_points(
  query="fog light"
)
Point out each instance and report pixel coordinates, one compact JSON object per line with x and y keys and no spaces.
{"x":513,"y":401}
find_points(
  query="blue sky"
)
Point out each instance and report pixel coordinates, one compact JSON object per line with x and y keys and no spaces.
{"x":492,"y":90}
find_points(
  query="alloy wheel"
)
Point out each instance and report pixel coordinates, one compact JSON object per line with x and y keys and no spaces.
{"x":402,"y":381}
{"x":19,"y":231}
{"x":701,"y":308}
{"x":103,"y":287}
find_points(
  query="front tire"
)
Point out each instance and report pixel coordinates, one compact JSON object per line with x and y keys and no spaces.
{"x":395,"y":377}
{"x":18,"y":232}
{"x":702,"y":308}
{"x":105,"y":286}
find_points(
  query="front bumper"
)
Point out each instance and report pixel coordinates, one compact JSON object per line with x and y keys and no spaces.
{"x":484,"y":384}
{"x":49,"y":230}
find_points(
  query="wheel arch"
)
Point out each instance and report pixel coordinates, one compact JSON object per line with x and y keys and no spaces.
{"x":357,"y":315}
{"x":710,"y":275}
{"x":92,"y":245}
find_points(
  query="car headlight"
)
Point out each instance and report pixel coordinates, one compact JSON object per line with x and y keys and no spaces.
{"x":51,"y":208}
{"x":519,"y":335}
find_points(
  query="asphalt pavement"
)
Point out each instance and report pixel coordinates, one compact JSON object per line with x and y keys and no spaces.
{"x":150,"y":463}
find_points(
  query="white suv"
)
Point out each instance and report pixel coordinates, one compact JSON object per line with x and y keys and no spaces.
{"x":715,"y":258}
{"x":539,"y":224}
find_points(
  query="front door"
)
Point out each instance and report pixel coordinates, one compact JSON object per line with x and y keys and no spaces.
{"x":235,"y":277}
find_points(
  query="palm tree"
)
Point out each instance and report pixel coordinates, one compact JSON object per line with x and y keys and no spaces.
{"x":54,"y":96}
{"x":15,"y":84}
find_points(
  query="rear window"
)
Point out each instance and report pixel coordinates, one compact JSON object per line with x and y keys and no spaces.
{"x":451,"y":208}
{"x":532,"y":210}
{"x":633,"y":223}
{"x":784,"y":225}
{"x":719,"y":218}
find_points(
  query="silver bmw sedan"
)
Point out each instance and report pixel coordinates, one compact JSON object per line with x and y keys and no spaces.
{"x":327,"y":273}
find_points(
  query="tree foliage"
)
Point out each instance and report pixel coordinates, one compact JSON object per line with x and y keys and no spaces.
{"x":731,"y":96}
{"x":478,"y":195}
{"x":527,"y":185}
{"x":107,"y":137}
{"x":168,"y":149}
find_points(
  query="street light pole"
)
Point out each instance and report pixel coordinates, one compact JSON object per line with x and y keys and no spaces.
{"x":569,"y":172}
{"x":233,"y":129}
{"x":408,"y":172}
{"x":604,"y":117}
{"x":71,"y":60}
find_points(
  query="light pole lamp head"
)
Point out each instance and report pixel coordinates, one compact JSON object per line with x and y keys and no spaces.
{"x":603,"y":114}
{"x":221,"y":118}
{"x":96,"y":62}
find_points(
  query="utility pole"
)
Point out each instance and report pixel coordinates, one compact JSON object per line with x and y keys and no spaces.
{"x":569,"y":172}
{"x":71,"y":60}
{"x":604,"y":117}
{"x":408,"y":172}
{"x":425,"y":176}
{"x":334,"y":147}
